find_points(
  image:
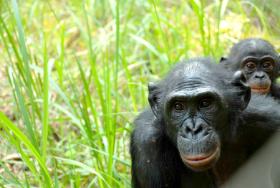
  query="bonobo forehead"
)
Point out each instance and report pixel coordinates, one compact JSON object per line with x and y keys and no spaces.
{"x":252,"y":47}
{"x":195,"y":74}
{"x":194,"y":92}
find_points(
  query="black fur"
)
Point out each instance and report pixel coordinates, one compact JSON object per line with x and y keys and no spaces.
{"x":156,"y":160}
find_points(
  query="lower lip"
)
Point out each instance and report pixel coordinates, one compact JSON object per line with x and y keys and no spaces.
{"x":201,"y":160}
{"x":260,"y":90}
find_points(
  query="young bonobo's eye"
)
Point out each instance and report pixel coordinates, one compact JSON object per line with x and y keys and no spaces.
{"x":250,"y":65}
{"x":205,"y":103}
{"x":178,"y":106}
{"x":267,"y":65}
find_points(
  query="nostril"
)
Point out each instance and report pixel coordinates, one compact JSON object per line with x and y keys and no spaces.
{"x":198,"y":130}
{"x":188,"y":129}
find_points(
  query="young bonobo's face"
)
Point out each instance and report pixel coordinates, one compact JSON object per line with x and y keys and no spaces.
{"x":258,"y":72}
{"x":259,"y":62}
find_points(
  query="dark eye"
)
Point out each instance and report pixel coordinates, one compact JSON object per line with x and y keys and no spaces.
{"x":205,"y":103}
{"x":178,"y":106}
{"x":267,"y":65}
{"x":251,"y":65}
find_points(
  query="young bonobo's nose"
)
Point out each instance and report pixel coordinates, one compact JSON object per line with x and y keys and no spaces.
{"x":259,"y":75}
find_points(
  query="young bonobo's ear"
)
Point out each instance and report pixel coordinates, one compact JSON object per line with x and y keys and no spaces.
{"x":239,"y":81}
{"x":154,"y":98}
{"x":223,"y":59}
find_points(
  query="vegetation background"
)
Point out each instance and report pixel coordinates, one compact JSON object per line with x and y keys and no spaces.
{"x":73,"y":77}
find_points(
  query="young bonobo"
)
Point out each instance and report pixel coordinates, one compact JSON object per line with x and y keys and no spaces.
{"x":259,"y":62}
{"x":199,"y":125}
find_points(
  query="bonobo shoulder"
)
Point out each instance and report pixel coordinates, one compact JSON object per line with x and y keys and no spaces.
{"x":146,"y":128}
{"x":262,"y":112}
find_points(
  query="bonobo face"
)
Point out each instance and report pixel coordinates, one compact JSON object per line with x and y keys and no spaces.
{"x":193,"y":104}
{"x":259,"y":62}
{"x":193,"y":115}
{"x":258,"y":72}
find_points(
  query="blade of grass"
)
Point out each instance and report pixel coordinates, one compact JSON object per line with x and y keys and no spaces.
{"x":9,"y":126}
{"x":45,"y":116}
{"x":199,"y":11}
{"x":25,"y":59}
{"x":24,"y":111}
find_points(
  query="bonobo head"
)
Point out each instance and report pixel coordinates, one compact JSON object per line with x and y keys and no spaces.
{"x":259,"y":62}
{"x":196,"y":102}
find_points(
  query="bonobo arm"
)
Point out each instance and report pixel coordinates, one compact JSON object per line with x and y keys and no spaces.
{"x":262,"y":112}
{"x":260,"y":120}
{"x":153,"y":156}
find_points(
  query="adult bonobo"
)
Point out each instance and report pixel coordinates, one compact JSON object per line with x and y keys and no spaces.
{"x":195,"y":133}
{"x":259,"y":62}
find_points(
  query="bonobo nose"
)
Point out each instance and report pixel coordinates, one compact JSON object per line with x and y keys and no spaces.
{"x":259,"y":75}
{"x":195,"y":131}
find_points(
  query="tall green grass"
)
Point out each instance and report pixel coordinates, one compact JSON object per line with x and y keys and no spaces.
{"x":77,"y":74}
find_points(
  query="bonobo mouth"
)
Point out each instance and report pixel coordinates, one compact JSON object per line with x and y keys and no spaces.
{"x":261,"y":90}
{"x":202,"y":161}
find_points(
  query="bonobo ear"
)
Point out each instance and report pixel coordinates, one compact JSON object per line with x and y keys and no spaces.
{"x":223,"y":59}
{"x":239,"y":81}
{"x":154,"y":98}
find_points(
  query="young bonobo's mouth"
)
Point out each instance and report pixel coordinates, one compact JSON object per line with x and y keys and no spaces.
{"x":202,"y":161}
{"x":260,"y":90}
